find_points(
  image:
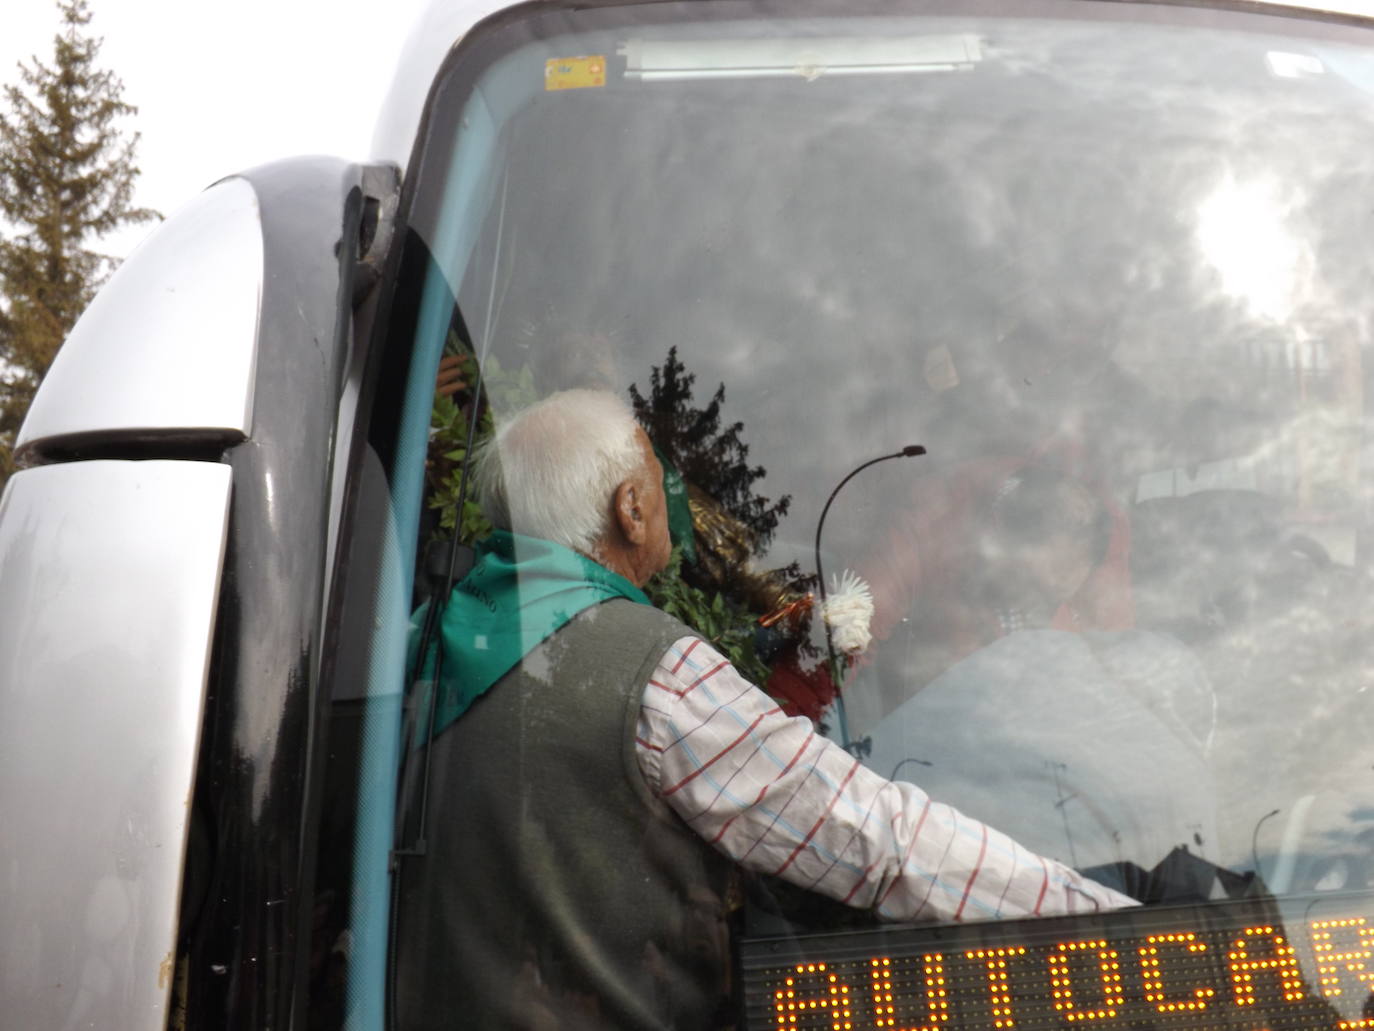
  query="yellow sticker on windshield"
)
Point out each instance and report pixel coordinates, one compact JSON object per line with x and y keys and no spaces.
{"x":574,"y":73}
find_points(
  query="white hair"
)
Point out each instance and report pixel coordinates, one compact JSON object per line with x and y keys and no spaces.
{"x":550,"y":470}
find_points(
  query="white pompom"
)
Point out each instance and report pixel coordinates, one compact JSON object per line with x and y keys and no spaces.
{"x":848,"y":611}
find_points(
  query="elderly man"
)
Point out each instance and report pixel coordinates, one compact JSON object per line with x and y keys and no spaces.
{"x":599,"y":772}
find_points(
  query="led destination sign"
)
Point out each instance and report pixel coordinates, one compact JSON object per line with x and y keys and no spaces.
{"x":1204,"y":967}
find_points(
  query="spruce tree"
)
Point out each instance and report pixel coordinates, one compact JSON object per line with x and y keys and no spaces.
{"x":67,"y":176}
{"x":713,"y":457}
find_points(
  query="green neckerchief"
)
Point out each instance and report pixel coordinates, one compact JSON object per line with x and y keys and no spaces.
{"x":679,"y":511}
{"x":519,"y":592}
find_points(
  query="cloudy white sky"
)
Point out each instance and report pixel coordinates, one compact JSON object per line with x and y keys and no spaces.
{"x":222,"y":87}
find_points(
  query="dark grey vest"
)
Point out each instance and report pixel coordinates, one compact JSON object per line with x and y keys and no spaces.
{"x":558,"y":892}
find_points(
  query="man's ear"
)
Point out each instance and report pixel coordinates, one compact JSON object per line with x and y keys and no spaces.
{"x":628,"y":514}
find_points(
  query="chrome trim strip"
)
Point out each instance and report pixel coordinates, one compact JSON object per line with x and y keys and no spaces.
{"x":170,"y":342}
{"x":109,"y":579}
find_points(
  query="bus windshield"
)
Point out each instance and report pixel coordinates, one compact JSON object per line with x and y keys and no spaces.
{"x":1092,"y":281}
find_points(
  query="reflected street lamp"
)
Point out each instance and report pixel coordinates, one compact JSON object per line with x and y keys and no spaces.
{"x":854,"y":748}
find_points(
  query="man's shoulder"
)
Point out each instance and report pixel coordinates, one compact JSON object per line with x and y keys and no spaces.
{"x":623,"y":627}
{"x":642,"y":618}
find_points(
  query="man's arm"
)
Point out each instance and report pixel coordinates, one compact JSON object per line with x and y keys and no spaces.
{"x":779,"y":799}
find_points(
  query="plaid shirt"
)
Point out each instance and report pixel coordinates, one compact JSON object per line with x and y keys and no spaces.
{"x":774,"y":796}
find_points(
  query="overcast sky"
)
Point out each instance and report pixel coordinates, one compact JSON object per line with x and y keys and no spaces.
{"x":223,"y":87}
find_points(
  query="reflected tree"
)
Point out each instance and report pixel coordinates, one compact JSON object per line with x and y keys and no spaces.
{"x":759,"y":619}
{"x":705,"y":453}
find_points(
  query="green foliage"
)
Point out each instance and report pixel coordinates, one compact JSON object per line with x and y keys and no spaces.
{"x":717,"y":595}
{"x":67,"y":177}
{"x":506,"y":390}
{"x":728,"y":627}
{"x":449,"y":447}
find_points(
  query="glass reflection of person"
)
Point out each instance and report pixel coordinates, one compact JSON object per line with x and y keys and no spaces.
{"x":1093,"y":740}
{"x":1045,"y":534}
{"x":985,"y":548}
{"x":599,"y":770}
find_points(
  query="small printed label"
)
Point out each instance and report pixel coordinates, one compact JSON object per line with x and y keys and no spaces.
{"x":574,"y":73}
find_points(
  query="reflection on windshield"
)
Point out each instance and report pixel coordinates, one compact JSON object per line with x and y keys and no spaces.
{"x":1113,"y":277}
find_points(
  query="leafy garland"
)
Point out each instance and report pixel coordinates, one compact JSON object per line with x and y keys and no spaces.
{"x":709,"y":595}
{"x":728,"y":627}
{"x":449,"y":443}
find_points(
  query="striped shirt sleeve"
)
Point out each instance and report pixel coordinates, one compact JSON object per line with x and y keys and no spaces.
{"x":774,"y":796}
